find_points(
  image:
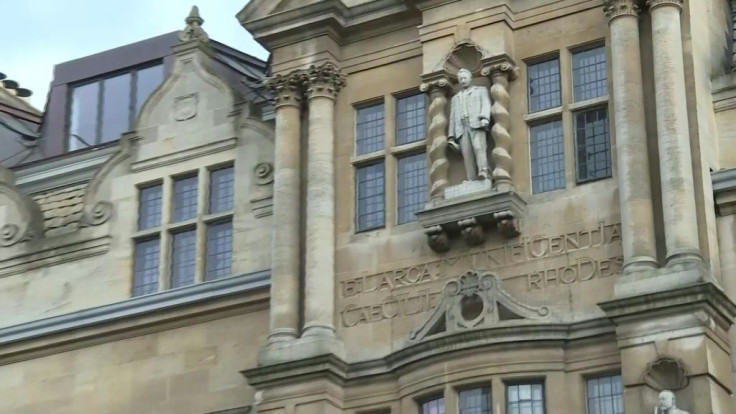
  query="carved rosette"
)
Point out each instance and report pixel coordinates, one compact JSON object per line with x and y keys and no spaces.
{"x":437,"y":142}
{"x":618,"y":8}
{"x":287,"y":89}
{"x":657,"y":3}
{"x":500,"y":73}
{"x":324,"y":80}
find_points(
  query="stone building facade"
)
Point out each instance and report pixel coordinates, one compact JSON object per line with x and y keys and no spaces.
{"x":328,"y":254}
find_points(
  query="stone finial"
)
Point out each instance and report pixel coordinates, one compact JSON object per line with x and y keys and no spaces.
{"x":193,"y":30}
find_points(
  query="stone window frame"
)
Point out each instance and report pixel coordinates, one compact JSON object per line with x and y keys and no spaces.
{"x":135,"y":104}
{"x":528,"y":381}
{"x":389,"y":156}
{"x":597,"y":376}
{"x":165,"y":231}
{"x":567,"y":110}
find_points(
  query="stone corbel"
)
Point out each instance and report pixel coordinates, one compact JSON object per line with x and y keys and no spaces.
{"x":471,"y":231}
{"x":507,"y":224}
{"x":97,"y":207}
{"x":437,"y":239}
{"x":438,"y":87}
{"x":24,"y":215}
{"x":501,"y":69}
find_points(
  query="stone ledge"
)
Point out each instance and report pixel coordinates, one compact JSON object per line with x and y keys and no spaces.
{"x":470,"y":216}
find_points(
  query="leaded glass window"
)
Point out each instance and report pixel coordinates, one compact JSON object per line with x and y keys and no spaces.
{"x":593,"y":145}
{"x":369,"y":130}
{"x":185,"y":199}
{"x":411,"y":186}
{"x":435,"y":406}
{"x":605,"y":395}
{"x":475,"y":401}
{"x":547,"y":157}
{"x":145,"y":269}
{"x":410,"y":119}
{"x":219,"y":250}
{"x":183,"y":258}
{"x":544,"y":85}
{"x":589,"y":74}
{"x":370,"y":189}
{"x":525,"y":399}
{"x":221,"y":190}
{"x":149,"y":207}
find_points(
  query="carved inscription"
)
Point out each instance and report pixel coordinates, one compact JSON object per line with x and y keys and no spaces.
{"x":537,"y":262}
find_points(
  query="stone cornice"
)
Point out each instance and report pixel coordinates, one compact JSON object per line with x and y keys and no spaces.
{"x":618,"y":8}
{"x":136,"y":316}
{"x":508,"y":335}
{"x":724,"y":190}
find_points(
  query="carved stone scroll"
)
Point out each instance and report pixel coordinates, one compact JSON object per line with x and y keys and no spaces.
{"x":475,"y":300}
{"x":97,"y":207}
{"x":26,"y":216}
{"x":501,"y":70}
{"x":437,"y":142}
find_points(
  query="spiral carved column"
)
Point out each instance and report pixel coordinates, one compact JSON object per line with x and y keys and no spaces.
{"x":437,"y":142}
{"x":500,"y":74}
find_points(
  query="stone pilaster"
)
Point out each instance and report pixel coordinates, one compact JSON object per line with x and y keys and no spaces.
{"x":501,"y":71}
{"x":437,"y":88}
{"x":287,"y":95}
{"x":676,"y":171}
{"x":323,"y":84}
{"x":635,"y":195}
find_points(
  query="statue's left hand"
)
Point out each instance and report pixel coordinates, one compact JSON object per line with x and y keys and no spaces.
{"x":484,"y":123}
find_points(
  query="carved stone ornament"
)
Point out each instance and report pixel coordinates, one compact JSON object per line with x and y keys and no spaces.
{"x":29,"y":224}
{"x":185,"y":107}
{"x":97,"y":209}
{"x":617,"y":8}
{"x":666,"y":374}
{"x":465,"y":54}
{"x":324,"y":80}
{"x":472,"y":301}
{"x":193,"y":29}
{"x":287,"y":89}
{"x":263,"y":173}
{"x":667,"y":404}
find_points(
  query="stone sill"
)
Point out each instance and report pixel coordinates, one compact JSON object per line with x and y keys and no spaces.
{"x":92,"y":326}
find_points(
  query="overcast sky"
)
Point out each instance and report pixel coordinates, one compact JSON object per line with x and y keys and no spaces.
{"x":37,"y":34}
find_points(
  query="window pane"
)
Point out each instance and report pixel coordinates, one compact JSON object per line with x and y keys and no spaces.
{"x":544,"y":85}
{"x":589,"y":74}
{"x":411,"y":186}
{"x":410,"y":119}
{"x":219,"y":250}
{"x":547,"y":157}
{"x":593,"y":146}
{"x":525,"y":399}
{"x":475,"y":401}
{"x":605,"y":395}
{"x":185,"y":199}
{"x":369,"y":197}
{"x":147,"y":81}
{"x":436,"y":406}
{"x":145,"y":271}
{"x":183,"y":258}
{"x":149,"y":207}
{"x":84,"y":116}
{"x":115,"y":107}
{"x":221,"y":190}
{"x":369,"y":130}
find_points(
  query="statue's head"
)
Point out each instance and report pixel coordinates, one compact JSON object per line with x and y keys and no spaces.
{"x":464,"y":77}
{"x":666,"y":399}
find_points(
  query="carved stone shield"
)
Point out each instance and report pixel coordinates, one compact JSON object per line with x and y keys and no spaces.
{"x":185,"y":107}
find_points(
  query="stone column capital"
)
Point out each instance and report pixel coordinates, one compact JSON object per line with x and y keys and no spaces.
{"x":656,"y":3}
{"x":441,"y":84}
{"x":287,"y":90}
{"x":619,"y":8}
{"x":500,"y":65}
{"x":324,"y":80}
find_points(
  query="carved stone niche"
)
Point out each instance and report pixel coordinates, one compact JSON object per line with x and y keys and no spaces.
{"x":472,"y":301}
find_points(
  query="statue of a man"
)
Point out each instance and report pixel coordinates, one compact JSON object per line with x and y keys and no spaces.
{"x":470,"y":115}
{"x":667,"y":404}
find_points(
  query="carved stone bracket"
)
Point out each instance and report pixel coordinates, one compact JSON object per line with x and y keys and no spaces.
{"x":475,"y":300}
{"x":24,"y":211}
{"x":618,"y":8}
{"x":97,"y":208}
{"x":472,"y":217}
{"x":438,"y":87}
